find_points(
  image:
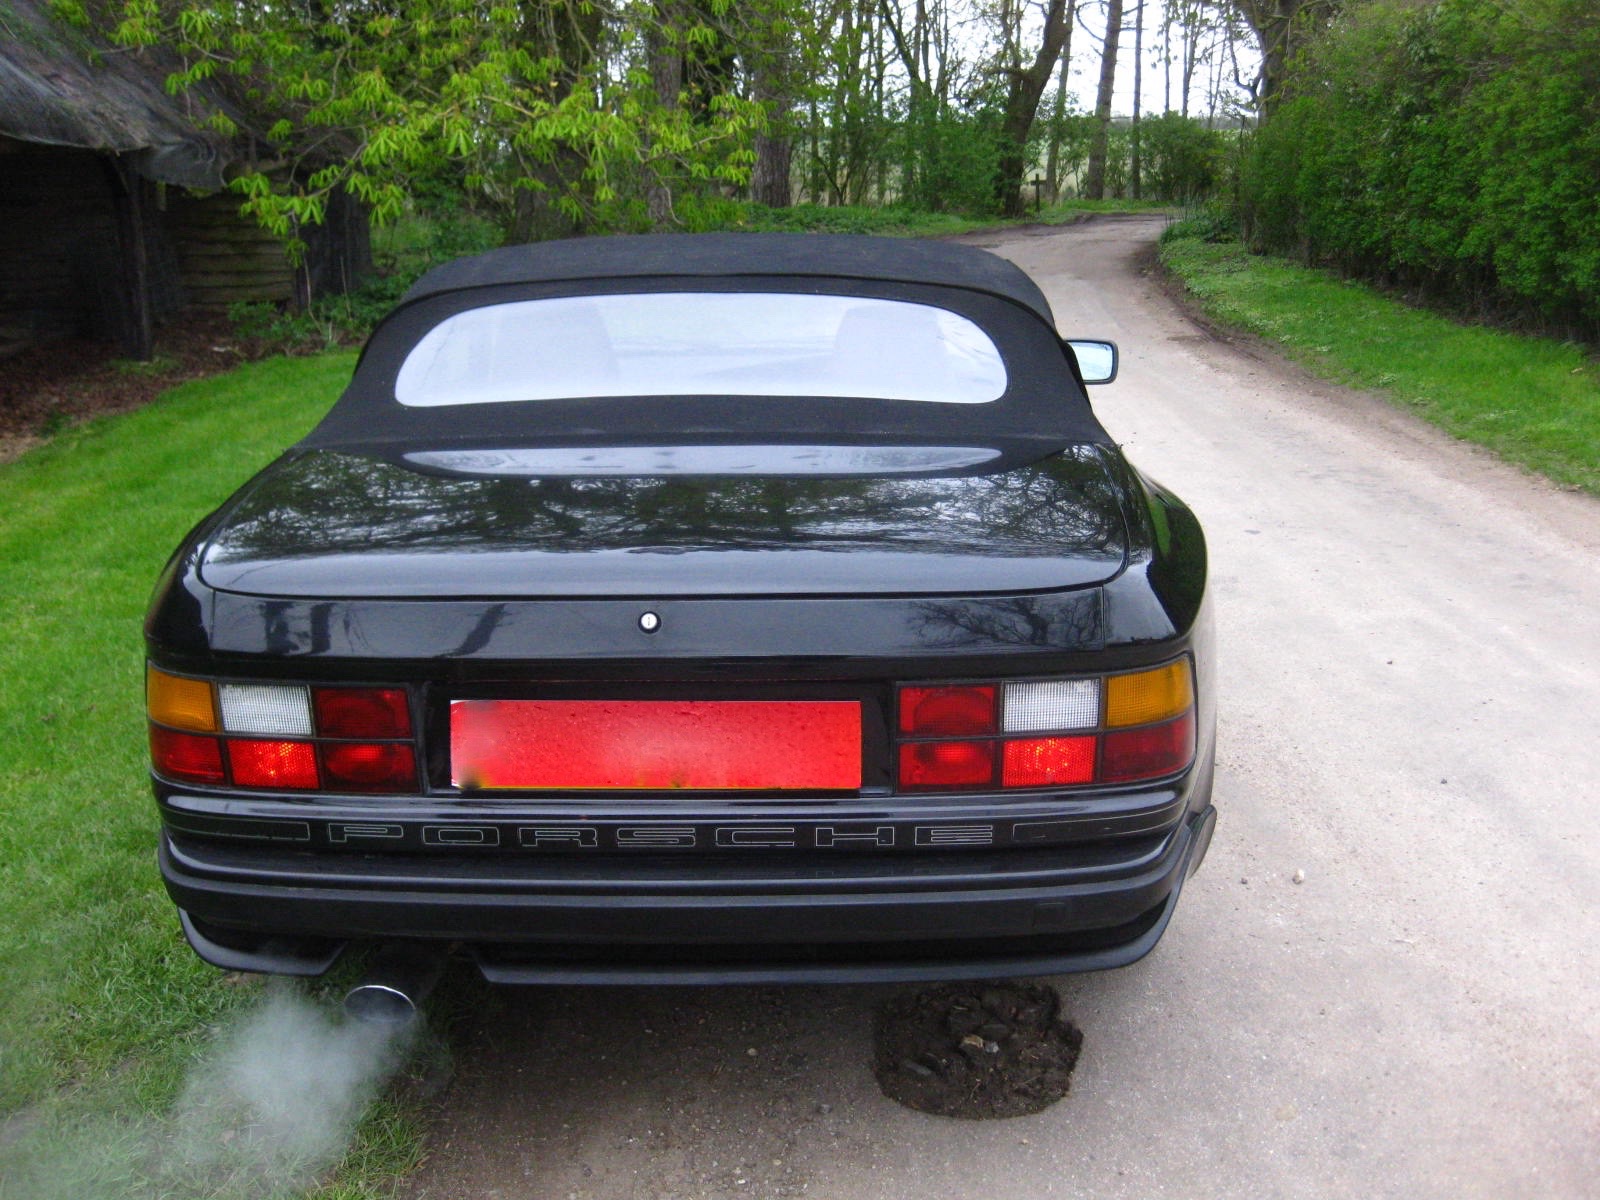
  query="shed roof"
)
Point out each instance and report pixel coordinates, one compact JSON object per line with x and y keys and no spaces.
{"x":60,"y":87}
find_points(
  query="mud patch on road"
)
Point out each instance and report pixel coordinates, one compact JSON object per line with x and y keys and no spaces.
{"x":977,"y":1051}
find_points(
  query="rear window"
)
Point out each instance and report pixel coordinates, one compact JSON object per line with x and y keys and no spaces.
{"x":698,"y":344}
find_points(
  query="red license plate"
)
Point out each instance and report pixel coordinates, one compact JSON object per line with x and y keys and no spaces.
{"x":660,"y":745}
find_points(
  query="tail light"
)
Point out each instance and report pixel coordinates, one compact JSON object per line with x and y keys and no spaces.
{"x":1047,"y":732}
{"x":279,"y":737}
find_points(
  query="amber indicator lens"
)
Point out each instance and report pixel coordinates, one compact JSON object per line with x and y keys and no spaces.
{"x":179,"y":702}
{"x":722,"y":745}
{"x":1146,"y":697}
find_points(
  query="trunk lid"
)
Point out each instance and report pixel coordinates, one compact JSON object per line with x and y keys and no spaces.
{"x":713,"y":521}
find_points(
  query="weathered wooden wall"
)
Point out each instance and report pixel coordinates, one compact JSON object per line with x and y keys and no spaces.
{"x":61,"y":265}
{"x":225,"y":258}
{"x":65,"y":269}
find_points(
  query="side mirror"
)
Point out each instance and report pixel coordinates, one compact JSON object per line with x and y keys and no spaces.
{"x":1097,"y":360}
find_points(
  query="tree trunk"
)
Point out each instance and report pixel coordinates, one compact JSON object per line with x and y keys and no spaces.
{"x":1058,"y":110}
{"x":666,"y":76}
{"x":1094,"y":186}
{"x":1022,"y":105}
{"x":1166,"y":59}
{"x":771,"y":181}
{"x":770,"y":178}
{"x":1138,"y":86}
{"x":1191,"y":51}
{"x":569,"y":34}
{"x":1276,"y":24}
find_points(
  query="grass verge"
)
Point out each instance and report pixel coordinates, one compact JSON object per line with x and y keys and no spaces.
{"x":105,"y":1008}
{"x":1534,"y":401}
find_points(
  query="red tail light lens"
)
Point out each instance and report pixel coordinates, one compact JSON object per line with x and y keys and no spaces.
{"x":362,"y":713}
{"x":1148,"y":753}
{"x":273,"y":764}
{"x":281,"y":736}
{"x":369,"y":766}
{"x":1047,"y":733}
{"x":946,"y":711}
{"x":185,"y":756}
{"x":1047,"y":762}
{"x":929,"y":766}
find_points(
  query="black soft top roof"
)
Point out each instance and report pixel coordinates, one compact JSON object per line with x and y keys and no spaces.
{"x":832,"y":256}
{"x":1043,"y":404}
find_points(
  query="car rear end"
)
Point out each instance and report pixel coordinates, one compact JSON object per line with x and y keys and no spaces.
{"x":767,"y":609}
{"x":617,"y":789}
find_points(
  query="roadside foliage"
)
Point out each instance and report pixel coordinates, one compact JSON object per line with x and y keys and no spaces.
{"x":1452,"y":148}
{"x":554,"y":117}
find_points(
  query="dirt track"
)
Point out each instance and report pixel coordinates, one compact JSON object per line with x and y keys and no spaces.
{"x":1411,"y":686}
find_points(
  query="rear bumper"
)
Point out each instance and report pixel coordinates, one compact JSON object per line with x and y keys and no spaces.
{"x":943,"y":916}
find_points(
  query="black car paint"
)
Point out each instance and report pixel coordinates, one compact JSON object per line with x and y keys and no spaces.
{"x":700,"y":886}
{"x":331,"y":524}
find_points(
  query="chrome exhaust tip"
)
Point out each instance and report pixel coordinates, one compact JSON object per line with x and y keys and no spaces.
{"x":392,"y":990}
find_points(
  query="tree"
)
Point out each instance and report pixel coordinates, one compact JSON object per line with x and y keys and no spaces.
{"x":1058,"y":110}
{"x":1281,"y":27}
{"x":1094,"y":186}
{"x":770,"y":61}
{"x":1138,"y":90}
{"x":547,"y":109}
{"x":1025,"y":85}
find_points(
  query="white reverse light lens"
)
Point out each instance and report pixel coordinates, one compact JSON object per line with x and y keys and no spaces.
{"x":265,"y":708}
{"x":1058,"y":704}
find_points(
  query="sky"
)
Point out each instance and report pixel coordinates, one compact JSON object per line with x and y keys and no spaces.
{"x":1084,"y":76}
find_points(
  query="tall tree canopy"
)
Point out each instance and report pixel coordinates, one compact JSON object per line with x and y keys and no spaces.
{"x":556,"y":116}
{"x":550,"y":106}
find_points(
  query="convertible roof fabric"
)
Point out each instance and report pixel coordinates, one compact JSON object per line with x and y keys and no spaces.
{"x":1043,"y":406}
{"x":731,"y":255}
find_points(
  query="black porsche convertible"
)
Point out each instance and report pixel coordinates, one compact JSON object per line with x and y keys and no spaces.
{"x":726,"y":607}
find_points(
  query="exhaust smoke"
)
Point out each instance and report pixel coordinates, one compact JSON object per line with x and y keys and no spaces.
{"x":265,"y":1111}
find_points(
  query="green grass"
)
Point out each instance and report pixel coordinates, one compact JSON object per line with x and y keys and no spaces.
{"x":1535,"y":401}
{"x":104,"y":1005}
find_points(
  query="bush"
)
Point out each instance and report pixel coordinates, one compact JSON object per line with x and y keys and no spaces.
{"x":1208,"y":223}
{"x":1452,"y":148}
{"x":401,"y":253}
{"x":1183,"y":162}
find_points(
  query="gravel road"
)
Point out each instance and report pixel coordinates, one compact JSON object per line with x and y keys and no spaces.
{"x":1410,"y":636}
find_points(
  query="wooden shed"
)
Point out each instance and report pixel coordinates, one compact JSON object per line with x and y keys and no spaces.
{"x":113,"y":208}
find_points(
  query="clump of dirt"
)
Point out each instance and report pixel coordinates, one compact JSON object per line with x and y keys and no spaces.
{"x":976,"y":1050}
{"x":52,"y":385}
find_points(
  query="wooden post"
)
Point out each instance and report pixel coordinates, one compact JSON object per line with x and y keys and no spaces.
{"x":138,"y":333}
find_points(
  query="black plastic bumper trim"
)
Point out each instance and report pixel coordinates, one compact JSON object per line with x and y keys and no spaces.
{"x":248,"y":926}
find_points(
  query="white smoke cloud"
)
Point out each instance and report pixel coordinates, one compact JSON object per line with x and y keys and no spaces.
{"x":267,"y":1109}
